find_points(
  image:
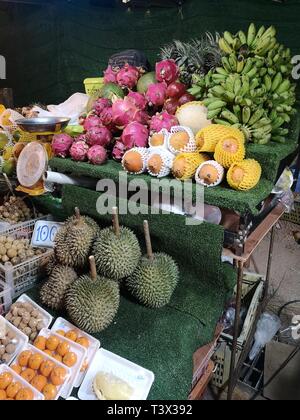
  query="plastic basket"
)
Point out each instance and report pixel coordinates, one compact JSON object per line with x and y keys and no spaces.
{"x":92,"y":85}
{"x":5,"y":298}
{"x":294,"y":216}
{"x":222,"y":356}
{"x":23,"y":229}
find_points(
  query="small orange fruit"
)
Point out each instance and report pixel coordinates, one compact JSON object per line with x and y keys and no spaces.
{"x":16,"y":368}
{"x":63,"y":348}
{"x":70,"y":359}
{"x":24,"y":358}
{"x":40,"y":343}
{"x":57,"y":357}
{"x":52,"y":343}
{"x":60,"y":332}
{"x":2,"y":395}
{"x":28,"y":375}
{"x":58,"y":376}
{"x":24,"y":394}
{"x":13,"y":389}
{"x":6,"y":379}
{"x":46,"y":368}
{"x":49,"y":392}
{"x":35,"y":361}
{"x":72,"y":335}
{"x":48,"y":352}
{"x":83,"y":341}
{"x":39,"y":382}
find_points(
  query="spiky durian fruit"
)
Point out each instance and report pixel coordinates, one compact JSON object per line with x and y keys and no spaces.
{"x":73,"y":243}
{"x":92,"y":302}
{"x":53,"y":292}
{"x":89,"y":221}
{"x":244,"y":175}
{"x":230,"y":150}
{"x":153,"y":282}
{"x":116,"y":255}
{"x":51,"y":263}
{"x":208,"y":138}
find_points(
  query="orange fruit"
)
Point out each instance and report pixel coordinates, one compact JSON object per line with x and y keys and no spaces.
{"x":83,"y":341}
{"x":48,"y":352}
{"x":16,"y":368}
{"x":39,"y":382}
{"x":49,"y":392}
{"x":70,"y":359}
{"x":35,"y":361}
{"x":24,"y":357}
{"x":28,"y":375}
{"x":40,"y":343}
{"x":46,"y":368}
{"x":6,"y":379}
{"x":24,"y":394}
{"x":60,"y":332}
{"x":13,"y":389}
{"x":72,"y":335}
{"x":58,"y":376}
{"x":52,"y":343}
{"x":9,"y":399}
{"x":63,"y":348}
{"x":57,"y":357}
{"x":2,"y":395}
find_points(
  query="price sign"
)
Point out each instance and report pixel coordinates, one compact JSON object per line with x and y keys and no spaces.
{"x":44,"y":233}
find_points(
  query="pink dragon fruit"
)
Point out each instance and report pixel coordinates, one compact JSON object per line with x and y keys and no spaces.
{"x":91,"y":122}
{"x":118,"y":151}
{"x":137,"y":99}
{"x":156,"y":94}
{"x":135,"y":135}
{"x":110,"y":75}
{"x":79,"y":151}
{"x":98,"y":136}
{"x":124,"y":112}
{"x":61,"y":144}
{"x":106,"y":117}
{"x":163,"y":120}
{"x":167,"y":71}
{"x":97,"y":155}
{"x":128,"y":77}
{"x":142,"y":117}
{"x":100,"y":105}
{"x":81,"y":137}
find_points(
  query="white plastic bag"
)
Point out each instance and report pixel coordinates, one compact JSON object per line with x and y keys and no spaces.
{"x":267,"y":327}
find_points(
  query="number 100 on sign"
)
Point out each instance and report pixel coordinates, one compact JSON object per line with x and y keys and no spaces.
{"x":44,"y":233}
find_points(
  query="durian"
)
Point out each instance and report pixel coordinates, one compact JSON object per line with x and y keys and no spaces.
{"x":73,"y":242}
{"x":181,"y":140}
{"x":52,"y":293}
{"x":134,"y":161}
{"x":88,"y":220}
{"x":244,"y":175}
{"x":117,"y":251}
{"x":186,"y":164}
{"x":160,"y":162}
{"x":51,"y":263}
{"x":92,"y":302}
{"x":154,"y":280}
{"x":230,"y":150}
{"x":210,"y":174}
{"x":208,"y":138}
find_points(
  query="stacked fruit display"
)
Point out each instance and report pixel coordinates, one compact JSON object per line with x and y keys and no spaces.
{"x":15,"y":210}
{"x":252,"y":89}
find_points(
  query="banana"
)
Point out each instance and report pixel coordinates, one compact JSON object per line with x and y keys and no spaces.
{"x":258,"y":36}
{"x":216,"y":105}
{"x":218,"y":78}
{"x":263,"y":71}
{"x":252,"y":72}
{"x":237,"y":111}
{"x":271,"y":31}
{"x":265,"y":140}
{"x":229,"y":116}
{"x":195,"y":90}
{"x":233,"y":62}
{"x":242,"y":37}
{"x":276,"y":82}
{"x":258,"y":114}
{"x":212,"y":114}
{"x":245,"y":87}
{"x":236,"y":44}
{"x":281,"y":131}
{"x":222,"y":122}
{"x":224,"y":46}
{"x":228,"y":38}
{"x":262,"y":123}
{"x":240,"y":65}
{"x":228,"y":96}
{"x":226,"y":64}
{"x":254,"y":83}
{"x":286,"y":117}
{"x":283,"y":87}
{"x":237,"y":86}
{"x":246,"y":114}
{"x":248,"y":66}
{"x":222,"y":71}
{"x":251,"y":34}
{"x":217,"y":90}
{"x":209,"y":101}
{"x":262,"y":46}
{"x":271,"y":71}
{"x":279,"y":139}
{"x":229,"y":84}
{"x":268,"y":82}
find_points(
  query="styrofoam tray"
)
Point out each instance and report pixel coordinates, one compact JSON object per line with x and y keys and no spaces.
{"x":37,"y":395}
{"x":21,"y":338}
{"x":138,"y":378}
{"x":63,"y":324}
{"x":47,"y":318}
{"x":81,"y":354}
{"x":34,"y":350}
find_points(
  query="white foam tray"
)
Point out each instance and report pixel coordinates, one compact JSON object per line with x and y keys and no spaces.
{"x":37,"y":395}
{"x":138,"y":378}
{"x":63,"y":324}
{"x":20,"y":337}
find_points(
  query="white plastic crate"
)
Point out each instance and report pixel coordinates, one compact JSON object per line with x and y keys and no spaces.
{"x":24,"y":229}
{"x":5,"y":298}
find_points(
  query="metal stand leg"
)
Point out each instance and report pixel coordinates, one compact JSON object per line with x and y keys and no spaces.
{"x":236,"y":329}
{"x":270,"y":260}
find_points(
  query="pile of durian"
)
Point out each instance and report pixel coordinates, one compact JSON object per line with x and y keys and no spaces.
{"x":89,"y":265}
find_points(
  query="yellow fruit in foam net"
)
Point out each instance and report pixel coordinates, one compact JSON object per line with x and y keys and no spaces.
{"x":230,"y":150}
{"x":157,"y":139}
{"x":244,"y":175}
{"x":208,"y":138}
{"x":186,"y":164}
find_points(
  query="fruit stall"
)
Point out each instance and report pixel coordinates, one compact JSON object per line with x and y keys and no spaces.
{"x":116,"y":303}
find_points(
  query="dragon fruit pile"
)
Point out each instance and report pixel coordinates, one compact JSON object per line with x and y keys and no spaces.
{"x":117,"y":125}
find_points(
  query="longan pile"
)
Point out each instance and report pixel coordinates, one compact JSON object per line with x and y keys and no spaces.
{"x":8,"y":346}
{"x":16,"y":251}
{"x":58,"y":349}
{"x":43,"y":374}
{"x":15,"y":211}
{"x":26,"y":318}
{"x":11,"y":389}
